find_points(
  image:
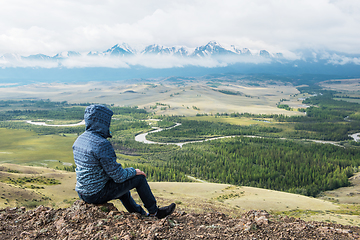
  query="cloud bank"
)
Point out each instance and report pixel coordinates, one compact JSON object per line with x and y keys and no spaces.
{"x":148,"y":61}
{"x":49,"y":27}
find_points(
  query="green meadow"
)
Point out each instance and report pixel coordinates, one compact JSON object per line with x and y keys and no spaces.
{"x":27,"y":147}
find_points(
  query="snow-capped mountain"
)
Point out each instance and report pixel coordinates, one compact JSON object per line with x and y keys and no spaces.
{"x":212,"y":54}
{"x":67,"y":54}
{"x":156,"y":49}
{"x":120,"y":50}
{"x":264,"y":53}
{"x":212,"y":48}
{"x":160,"y":50}
{"x":38,"y":57}
{"x":59,"y":56}
{"x":122,"y":62}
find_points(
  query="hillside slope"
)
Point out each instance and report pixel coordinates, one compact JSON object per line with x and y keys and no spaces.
{"x":87,"y":221}
{"x":193,"y":197}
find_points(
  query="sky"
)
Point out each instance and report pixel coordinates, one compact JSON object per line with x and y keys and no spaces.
{"x":49,"y":27}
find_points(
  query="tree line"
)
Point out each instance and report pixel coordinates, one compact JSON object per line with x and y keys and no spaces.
{"x":281,"y":165}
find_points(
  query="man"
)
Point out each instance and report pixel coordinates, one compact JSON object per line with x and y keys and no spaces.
{"x":100,"y":178}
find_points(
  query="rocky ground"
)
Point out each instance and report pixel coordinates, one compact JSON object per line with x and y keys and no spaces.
{"x":88,"y":221}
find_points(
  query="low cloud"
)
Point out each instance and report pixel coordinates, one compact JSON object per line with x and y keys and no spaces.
{"x":149,"y":61}
{"x":166,"y":61}
{"x":342,"y":60}
{"x":93,"y":61}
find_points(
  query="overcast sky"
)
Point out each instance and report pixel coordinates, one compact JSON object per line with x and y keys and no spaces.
{"x":52,"y":26}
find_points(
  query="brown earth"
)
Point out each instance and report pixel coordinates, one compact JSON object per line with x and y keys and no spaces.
{"x":88,"y":221}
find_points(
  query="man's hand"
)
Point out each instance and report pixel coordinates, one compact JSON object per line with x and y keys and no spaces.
{"x":139,"y":172}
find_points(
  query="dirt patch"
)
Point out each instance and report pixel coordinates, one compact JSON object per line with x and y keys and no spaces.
{"x":87,"y":221}
{"x":345,"y":195}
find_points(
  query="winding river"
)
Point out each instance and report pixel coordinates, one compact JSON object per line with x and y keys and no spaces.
{"x":49,"y":125}
{"x":142,"y":138}
{"x":355,"y":136}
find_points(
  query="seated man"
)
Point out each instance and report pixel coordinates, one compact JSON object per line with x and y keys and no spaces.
{"x":100,"y":178}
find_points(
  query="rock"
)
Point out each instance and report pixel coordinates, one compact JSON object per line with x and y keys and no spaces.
{"x":59,"y":224}
{"x":88,"y":221}
{"x":343,"y":230}
{"x":261,"y":220}
{"x":24,"y":234}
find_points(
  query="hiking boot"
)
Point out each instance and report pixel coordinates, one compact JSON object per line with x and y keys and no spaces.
{"x":165,"y":211}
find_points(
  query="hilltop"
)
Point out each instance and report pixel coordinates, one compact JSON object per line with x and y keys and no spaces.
{"x":87,"y":221}
{"x":190,"y":197}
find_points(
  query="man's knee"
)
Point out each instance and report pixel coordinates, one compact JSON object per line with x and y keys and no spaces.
{"x":140,"y":180}
{"x":141,"y":177}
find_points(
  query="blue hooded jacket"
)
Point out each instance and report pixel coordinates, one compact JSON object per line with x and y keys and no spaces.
{"x":94,"y":155}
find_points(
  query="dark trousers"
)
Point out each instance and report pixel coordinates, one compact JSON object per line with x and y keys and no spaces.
{"x":121,"y":191}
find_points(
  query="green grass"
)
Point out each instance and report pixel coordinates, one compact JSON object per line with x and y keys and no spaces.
{"x":26,"y":147}
{"x":26,"y":181}
{"x":131,"y":160}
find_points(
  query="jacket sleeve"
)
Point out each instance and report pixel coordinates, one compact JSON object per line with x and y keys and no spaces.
{"x":107,"y":158}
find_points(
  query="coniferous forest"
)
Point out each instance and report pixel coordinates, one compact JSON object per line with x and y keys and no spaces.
{"x":306,"y":168}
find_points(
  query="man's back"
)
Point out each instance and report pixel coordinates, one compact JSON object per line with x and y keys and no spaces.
{"x":94,"y":155}
{"x":90,"y":175}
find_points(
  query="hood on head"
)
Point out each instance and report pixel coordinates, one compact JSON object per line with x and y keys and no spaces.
{"x":97,"y":119}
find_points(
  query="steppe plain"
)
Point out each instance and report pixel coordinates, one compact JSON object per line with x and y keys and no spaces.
{"x":190,"y":98}
{"x":181,"y":96}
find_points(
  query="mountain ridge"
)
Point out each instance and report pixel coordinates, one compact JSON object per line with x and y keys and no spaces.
{"x":210,"y":55}
{"x":124,"y":49}
{"x":121,"y":62}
